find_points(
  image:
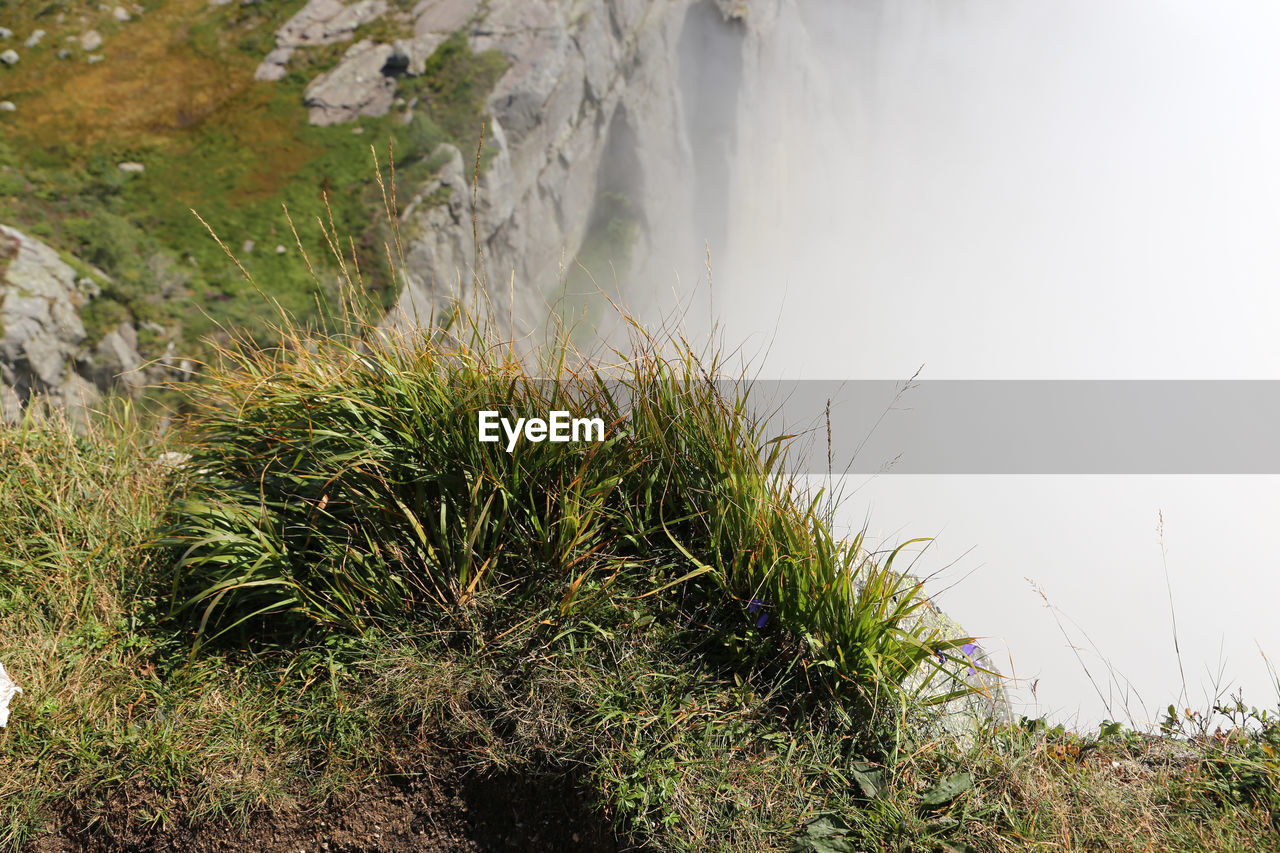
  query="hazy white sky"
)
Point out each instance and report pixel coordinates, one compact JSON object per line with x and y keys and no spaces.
{"x":1034,"y":189}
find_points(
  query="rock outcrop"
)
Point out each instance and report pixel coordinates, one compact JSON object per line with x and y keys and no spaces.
{"x":968,"y":668}
{"x":43,"y":356}
{"x":358,"y":86}
{"x":319,"y":22}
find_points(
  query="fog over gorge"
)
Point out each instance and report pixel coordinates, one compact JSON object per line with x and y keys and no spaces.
{"x":990,"y":189}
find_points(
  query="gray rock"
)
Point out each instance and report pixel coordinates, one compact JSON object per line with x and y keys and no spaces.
{"x":418,"y":50}
{"x":7,"y":106}
{"x":319,"y":22}
{"x":584,"y":79}
{"x":973,"y":670}
{"x":328,"y":21}
{"x":117,"y":363}
{"x":593,"y":91}
{"x":45,"y":358}
{"x":9,"y":57}
{"x":443,"y":16}
{"x":121,"y":14}
{"x":247,"y":246}
{"x":273,"y":67}
{"x":75,"y":399}
{"x":10,"y":406}
{"x":41,"y":329}
{"x":356,"y":87}
{"x":599,"y":55}
{"x":34,"y":38}
{"x":95,"y":59}
{"x":63,"y":54}
{"x":43,"y":362}
{"x":90,"y":40}
{"x":342,"y":26}
{"x":6,"y":33}
{"x":131,"y":167}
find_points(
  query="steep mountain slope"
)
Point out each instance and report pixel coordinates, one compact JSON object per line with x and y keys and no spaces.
{"x":594,"y":114}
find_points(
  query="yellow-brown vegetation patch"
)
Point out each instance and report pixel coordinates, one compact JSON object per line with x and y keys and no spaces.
{"x":155,"y":79}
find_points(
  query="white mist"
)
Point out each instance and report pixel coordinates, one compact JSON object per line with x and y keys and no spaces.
{"x":1031,"y":189}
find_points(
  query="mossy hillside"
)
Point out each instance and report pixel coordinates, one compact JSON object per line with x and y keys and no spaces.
{"x":175,"y":92}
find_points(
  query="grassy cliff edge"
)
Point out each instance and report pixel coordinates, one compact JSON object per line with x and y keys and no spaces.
{"x":342,"y":600}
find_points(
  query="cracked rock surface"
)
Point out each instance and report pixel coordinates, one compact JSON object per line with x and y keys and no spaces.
{"x":42,"y":352}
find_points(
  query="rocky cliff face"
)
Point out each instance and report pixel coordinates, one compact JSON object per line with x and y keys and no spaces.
{"x":602,"y":100}
{"x":44,"y":354}
{"x":589,"y":106}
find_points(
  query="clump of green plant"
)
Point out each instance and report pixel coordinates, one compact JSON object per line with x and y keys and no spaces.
{"x":1241,"y":763}
{"x":337,"y":483}
{"x":342,"y":484}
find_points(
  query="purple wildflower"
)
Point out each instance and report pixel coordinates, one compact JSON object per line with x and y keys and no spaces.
{"x":970,"y":649}
{"x":758,"y":605}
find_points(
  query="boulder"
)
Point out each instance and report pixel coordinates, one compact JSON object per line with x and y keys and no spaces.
{"x":43,"y":359}
{"x":117,"y":363}
{"x":319,"y":22}
{"x":968,"y":668}
{"x":9,"y":57}
{"x":273,"y":67}
{"x":359,"y":86}
{"x":40,"y":331}
{"x":90,"y":40}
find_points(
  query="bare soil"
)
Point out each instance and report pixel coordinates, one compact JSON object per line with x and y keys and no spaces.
{"x":439,"y":809}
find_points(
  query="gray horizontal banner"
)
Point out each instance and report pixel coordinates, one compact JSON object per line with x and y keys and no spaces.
{"x":1094,"y":427}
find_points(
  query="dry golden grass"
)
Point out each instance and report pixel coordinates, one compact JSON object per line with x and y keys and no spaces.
{"x":150,"y":85}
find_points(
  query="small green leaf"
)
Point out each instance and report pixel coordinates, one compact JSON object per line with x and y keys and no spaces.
{"x":946,"y":790}
{"x":823,"y":835}
{"x":870,"y":779}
